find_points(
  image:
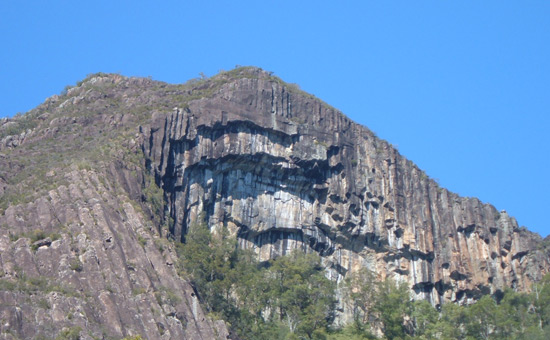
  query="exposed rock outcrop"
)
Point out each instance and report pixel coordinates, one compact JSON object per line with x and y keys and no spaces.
{"x":283,"y":170}
{"x":81,"y":233}
{"x":98,"y":267}
{"x":80,"y":255}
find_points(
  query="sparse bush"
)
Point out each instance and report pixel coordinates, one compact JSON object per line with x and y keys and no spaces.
{"x":72,"y":333}
{"x":7,"y":285}
{"x":138,"y":291}
{"x":37,"y":235}
{"x":154,"y":195}
{"x":43,"y":303}
{"x":133,"y":337}
{"x":17,"y":125}
{"x":159,"y":243}
{"x":165,"y":295}
{"x":142,"y":240}
{"x":76,"y":265}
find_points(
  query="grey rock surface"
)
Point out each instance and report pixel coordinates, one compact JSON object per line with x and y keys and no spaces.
{"x":80,"y":253}
{"x":282,"y":170}
{"x":107,"y":272}
{"x":84,"y":233}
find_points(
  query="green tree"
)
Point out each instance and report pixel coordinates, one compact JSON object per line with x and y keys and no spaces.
{"x":424,"y":320}
{"x":208,"y":260}
{"x":541,"y":301}
{"x":299,"y":294}
{"x":482,"y":318}
{"x":359,"y":290}
{"x":355,"y":330}
{"x":393,"y":305}
{"x":195,"y":254}
{"x":513,"y":317}
{"x":289,"y":298}
{"x":452,"y":322}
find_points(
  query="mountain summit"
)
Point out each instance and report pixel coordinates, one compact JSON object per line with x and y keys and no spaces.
{"x":99,"y":184}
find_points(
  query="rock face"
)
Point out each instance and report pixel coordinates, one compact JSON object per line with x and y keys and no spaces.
{"x":283,"y":170}
{"x":83,"y":223}
{"x":104,"y":271}
{"x":80,"y":255}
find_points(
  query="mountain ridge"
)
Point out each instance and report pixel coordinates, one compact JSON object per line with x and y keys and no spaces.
{"x":236,"y":147}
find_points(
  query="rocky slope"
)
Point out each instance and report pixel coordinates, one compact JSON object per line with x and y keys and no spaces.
{"x":80,"y":255}
{"x":116,"y":164}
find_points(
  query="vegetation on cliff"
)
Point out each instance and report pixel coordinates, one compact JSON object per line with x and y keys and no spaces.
{"x":288,"y":295}
{"x":291,"y":298}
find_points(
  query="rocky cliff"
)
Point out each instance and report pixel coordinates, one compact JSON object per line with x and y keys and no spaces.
{"x":283,"y":170}
{"x":116,"y":164}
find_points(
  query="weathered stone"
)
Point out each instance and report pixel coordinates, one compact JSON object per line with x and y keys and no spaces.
{"x":78,"y":281}
{"x":42,"y":243}
{"x":277,"y":167}
{"x":282,"y":171}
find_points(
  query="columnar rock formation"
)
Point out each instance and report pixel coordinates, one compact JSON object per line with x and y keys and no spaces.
{"x":277,"y":167}
{"x":283,"y":170}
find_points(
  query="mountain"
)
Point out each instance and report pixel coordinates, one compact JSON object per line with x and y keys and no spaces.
{"x":100,"y":183}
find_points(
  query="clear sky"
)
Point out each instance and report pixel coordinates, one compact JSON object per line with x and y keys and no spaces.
{"x":461,"y":87}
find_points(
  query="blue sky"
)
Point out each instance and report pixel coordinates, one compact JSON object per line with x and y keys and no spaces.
{"x":461,"y":87}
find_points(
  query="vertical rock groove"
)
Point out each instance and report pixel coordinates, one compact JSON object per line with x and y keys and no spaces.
{"x":285,"y":171}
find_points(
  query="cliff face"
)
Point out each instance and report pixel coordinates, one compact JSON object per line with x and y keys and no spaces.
{"x":277,"y":167}
{"x":282,"y":170}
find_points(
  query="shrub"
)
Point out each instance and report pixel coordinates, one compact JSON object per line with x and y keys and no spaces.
{"x":72,"y":333}
{"x":76,"y":265}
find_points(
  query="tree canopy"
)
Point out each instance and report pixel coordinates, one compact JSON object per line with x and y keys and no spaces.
{"x":290,"y":297}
